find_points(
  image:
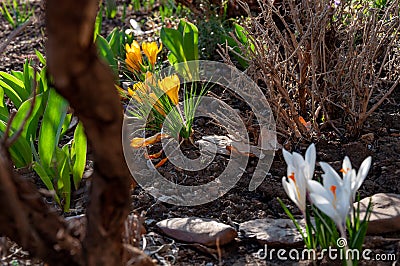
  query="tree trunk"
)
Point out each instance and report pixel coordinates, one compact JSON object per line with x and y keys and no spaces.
{"x":88,"y":84}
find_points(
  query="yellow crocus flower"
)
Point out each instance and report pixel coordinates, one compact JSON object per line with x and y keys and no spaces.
{"x":133,"y":56}
{"x":170,"y":85}
{"x":151,"y":51}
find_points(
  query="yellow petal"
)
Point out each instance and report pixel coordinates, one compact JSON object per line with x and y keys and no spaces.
{"x":143,"y":142}
{"x":151,"y":51}
{"x":133,"y":48}
{"x":130,"y":92}
{"x":133,"y":56}
{"x":170,"y":85}
{"x":133,"y":61}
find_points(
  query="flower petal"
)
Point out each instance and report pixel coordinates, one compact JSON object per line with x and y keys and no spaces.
{"x":331,"y":177}
{"x":170,"y":85}
{"x":290,"y":191}
{"x":325,"y":205}
{"x":287,"y":156}
{"x":310,"y":158}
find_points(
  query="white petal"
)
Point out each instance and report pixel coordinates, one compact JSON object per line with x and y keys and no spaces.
{"x":346,"y":165}
{"x":331,"y":177}
{"x":287,"y":156}
{"x":290,"y":191}
{"x":298,"y":161}
{"x":316,"y":188}
{"x":310,"y":160}
{"x":325,"y":206}
{"x":343,"y":203}
{"x":363,"y":172}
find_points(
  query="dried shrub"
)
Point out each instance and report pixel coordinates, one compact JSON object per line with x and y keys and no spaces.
{"x":323,"y":62}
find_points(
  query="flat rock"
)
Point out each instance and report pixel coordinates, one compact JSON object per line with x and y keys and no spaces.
{"x":274,"y":232}
{"x":198,"y":230}
{"x":385,"y":216}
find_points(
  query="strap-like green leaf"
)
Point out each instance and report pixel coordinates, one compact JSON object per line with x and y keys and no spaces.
{"x":20,"y":151}
{"x":173,"y":40}
{"x":78,"y":154}
{"x":16,"y":84}
{"x":31,"y":125}
{"x":45,"y":179}
{"x":51,"y":127}
{"x":106,"y":53}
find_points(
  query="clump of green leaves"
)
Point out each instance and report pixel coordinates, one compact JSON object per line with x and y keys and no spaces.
{"x":111,"y":49}
{"x":183,"y":44}
{"x":15,"y":13}
{"x":39,"y":149}
{"x":111,"y":8}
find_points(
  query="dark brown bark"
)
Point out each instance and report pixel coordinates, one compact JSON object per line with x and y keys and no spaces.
{"x":88,"y":84}
{"x":30,"y":222}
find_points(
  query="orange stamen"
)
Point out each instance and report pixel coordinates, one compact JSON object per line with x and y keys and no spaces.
{"x":333,"y":189}
{"x":344,"y":170}
{"x":292,"y":177}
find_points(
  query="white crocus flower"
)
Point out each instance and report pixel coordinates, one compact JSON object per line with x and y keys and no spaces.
{"x":299,"y":170}
{"x":358,"y":179}
{"x":334,"y":198}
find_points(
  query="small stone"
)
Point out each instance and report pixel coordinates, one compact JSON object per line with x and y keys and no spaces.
{"x":198,"y":230}
{"x":274,"y":232}
{"x":385,"y":215}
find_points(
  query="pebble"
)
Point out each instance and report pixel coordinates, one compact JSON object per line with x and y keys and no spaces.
{"x":385,"y":216}
{"x":198,"y":230}
{"x":274,"y":232}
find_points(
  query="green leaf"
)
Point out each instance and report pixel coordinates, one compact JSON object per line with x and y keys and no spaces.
{"x":2,"y":97}
{"x":111,"y":8}
{"x":31,"y":125}
{"x":98,"y":23}
{"x":28,"y":77}
{"x":78,"y":154}
{"x":20,"y":151}
{"x":64,"y":176}
{"x":18,"y":74}
{"x":290,"y":215}
{"x":116,"y":41}
{"x":173,"y":40}
{"x":51,"y":127}
{"x":45,"y":179}
{"x":16,"y":84}
{"x":106,"y":53}
{"x":8,"y":16}
{"x":11,"y":93}
{"x":40,"y":57}
{"x":65,"y":126}
{"x":43,"y":83}
{"x":190,"y":40}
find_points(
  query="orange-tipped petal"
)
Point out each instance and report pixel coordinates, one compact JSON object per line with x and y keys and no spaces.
{"x":154,"y":155}
{"x":162,"y":162}
{"x":144,"y":142}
